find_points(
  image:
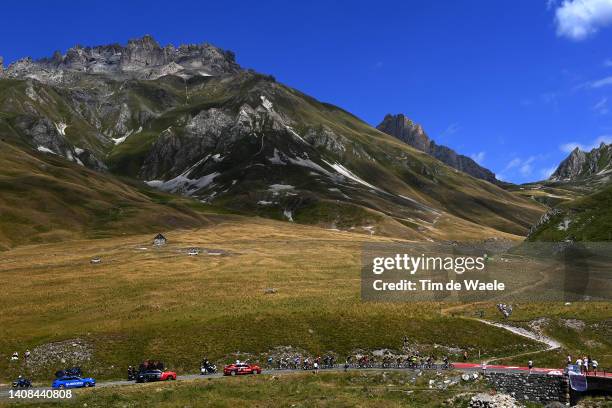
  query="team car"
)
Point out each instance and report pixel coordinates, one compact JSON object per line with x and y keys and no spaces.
{"x":241,"y":369}
{"x":155,"y":375}
{"x":73,"y":381}
{"x":22,"y":382}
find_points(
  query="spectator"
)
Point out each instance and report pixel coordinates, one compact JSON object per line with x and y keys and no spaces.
{"x":579,"y":364}
{"x":569,"y":359}
{"x":530,"y":365}
{"x":595,"y":365}
{"x":15,"y":356}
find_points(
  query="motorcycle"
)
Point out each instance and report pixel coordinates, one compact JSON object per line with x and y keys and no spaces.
{"x":22,"y":383}
{"x":209,"y":369}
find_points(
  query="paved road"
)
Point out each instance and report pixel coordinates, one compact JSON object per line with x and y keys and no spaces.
{"x":464,"y":367}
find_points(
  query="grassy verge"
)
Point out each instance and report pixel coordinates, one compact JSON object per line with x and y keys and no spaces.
{"x":292,"y":390}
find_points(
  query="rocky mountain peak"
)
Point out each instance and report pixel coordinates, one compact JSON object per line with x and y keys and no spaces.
{"x":141,"y":58}
{"x":406,"y":130}
{"x":410,"y":132}
{"x":580,"y":164}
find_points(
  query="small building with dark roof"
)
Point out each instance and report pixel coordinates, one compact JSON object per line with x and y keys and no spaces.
{"x":159,"y":240}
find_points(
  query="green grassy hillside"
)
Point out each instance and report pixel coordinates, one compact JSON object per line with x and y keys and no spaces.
{"x":47,"y":199}
{"x":587,"y":218}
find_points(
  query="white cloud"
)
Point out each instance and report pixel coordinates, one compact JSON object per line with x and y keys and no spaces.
{"x":579,"y":19}
{"x":513,"y":163}
{"x":524,"y":166}
{"x":601,"y":106}
{"x":608,"y":63}
{"x":478,"y":157}
{"x":547,"y":172}
{"x":527,"y":167}
{"x":451,"y":129}
{"x":601,"y":82}
{"x":569,"y":147}
{"x":523,"y":169}
{"x":596,"y":84}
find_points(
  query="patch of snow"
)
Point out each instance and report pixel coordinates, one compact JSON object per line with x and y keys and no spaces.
{"x":337,"y":190}
{"x":183,"y":184}
{"x":348,"y":174}
{"x":61,"y":128}
{"x":78,"y":150}
{"x":309,"y":163}
{"x":288,"y":214}
{"x":564,"y":225}
{"x":294,"y":133}
{"x":262,"y":202}
{"x":45,"y":150}
{"x":130,"y":132}
{"x":276,"y":159}
{"x":71,"y":157}
{"x":281,"y":187}
{"x":217,"y":157}
{"x":204,"y":74}
{"x":121,"y":139}
{"x":266,"y":103}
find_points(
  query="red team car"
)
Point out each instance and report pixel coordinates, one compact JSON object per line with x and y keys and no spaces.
{"x":239,"y":368}
{"x":155,"y":375}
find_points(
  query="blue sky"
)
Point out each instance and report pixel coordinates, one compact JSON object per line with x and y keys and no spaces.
{"x":515,"y":84}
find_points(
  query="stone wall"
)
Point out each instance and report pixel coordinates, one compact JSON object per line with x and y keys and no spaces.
{"x":533,"y":387}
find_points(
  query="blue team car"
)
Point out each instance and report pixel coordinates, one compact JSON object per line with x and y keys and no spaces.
{"x":73,"y":382}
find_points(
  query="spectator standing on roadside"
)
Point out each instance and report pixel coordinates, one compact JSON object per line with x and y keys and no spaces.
{"x":530,"y":365}
{"x":569,"y":359}
{"x":465,"y":355}
{"x":579,"y":364}
{"x":595,"y":365}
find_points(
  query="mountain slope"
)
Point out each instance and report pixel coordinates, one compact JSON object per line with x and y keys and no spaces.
{"x":240,"y":140}
{"x":46,"y":198}
{"x":580,"y":194}
{"x":587,"y":218}
{"x":580,"y":165}
{"x":412,"y":133}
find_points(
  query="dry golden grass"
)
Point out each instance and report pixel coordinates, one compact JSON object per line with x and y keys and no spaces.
{"x":162,"y":303}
